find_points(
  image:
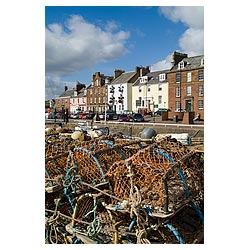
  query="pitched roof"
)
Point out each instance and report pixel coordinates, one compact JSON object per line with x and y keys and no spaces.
{"x":67,"y":93}
{"x":190,"y":63}
{"x":124,"y":77}
{"x":153,"y":78}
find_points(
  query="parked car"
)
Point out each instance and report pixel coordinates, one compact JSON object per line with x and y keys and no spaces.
{"x":109,"y":116}
{"x":76,"y":115}
{"x":113,"y":116}
{"x":90,"y":115}
{"x":138,"y":117}
{"x":82,"y":116}
{"x":160,"y":111}
{"x":124,"y":118}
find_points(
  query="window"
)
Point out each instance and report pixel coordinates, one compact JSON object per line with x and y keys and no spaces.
{"x":143,"y":79}
{"x":139,"y":89}
{"x":73,"y":100}
{"x":201,"y":75}
{"x":99,"y":101}
{"x":177,"y":106}
{"x":162,"y":77}
{"x":202,"y":61}
{"x":95,"y":100}
{"x":189,"y":76}
{"x":159,"y":99}
{"x":178,"y":77}
{"x":90,"y":100}
{"x":181,"y":65}
{"x":177,"y":91}
{"x":97,"y":82}
{"x":200,"y":90}
{"x":200,"y":104}
{"x":160,"y":87}
{"x":82,"y":100}
{"x":148,"y":88}
{"x":188,"y":90}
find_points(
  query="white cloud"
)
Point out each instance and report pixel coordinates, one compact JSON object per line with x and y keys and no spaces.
{"x":192,"y":40}
{"x":164,"y":64}
{"x":55,"y":87}
{"x":80,"y":45}
{"x":192,"y":16}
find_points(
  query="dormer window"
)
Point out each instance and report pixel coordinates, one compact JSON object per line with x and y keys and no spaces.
{"x":143,"y":79}
{"x":181,"y":65}
{"x":162,"y":77}
{"x":75,"y":93}
{"x":202,"y":61}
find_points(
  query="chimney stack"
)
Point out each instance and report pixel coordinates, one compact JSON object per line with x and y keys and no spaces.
{"x":141,"y":71}
{"x":79,"y":86}
{"x":118,"y":72}
{"x":177,"y":57}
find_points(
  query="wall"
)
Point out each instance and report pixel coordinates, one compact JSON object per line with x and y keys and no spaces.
{"x":183,"y":97}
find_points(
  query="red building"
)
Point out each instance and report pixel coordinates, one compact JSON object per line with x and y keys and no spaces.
{"x":186,"y":84}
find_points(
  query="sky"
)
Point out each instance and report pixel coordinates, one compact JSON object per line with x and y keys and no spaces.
{"x":82,"y":40}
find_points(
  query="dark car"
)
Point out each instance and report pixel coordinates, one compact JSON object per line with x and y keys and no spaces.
{"x":90,"y":115}
{"x":160,"y":111}
{"x":124,"y":118}
{"x":138,"y":117}
{"x":109,"y":116}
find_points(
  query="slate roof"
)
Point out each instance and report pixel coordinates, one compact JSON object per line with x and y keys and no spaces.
{"x":153,"y":78}
{"x":70,"y":92}
{"x":190,"y":63}
{"x":124,"y":77}
{"x":67,"y":93}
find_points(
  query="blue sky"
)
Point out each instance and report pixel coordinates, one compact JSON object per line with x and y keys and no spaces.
{"x":80,"y":41}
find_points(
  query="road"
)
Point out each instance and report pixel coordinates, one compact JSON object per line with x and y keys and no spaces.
{"x":149,"y":121}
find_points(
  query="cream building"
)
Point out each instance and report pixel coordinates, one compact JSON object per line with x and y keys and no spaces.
{"x":150,"y":92}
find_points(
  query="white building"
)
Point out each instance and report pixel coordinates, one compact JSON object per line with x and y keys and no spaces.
{"x":120,"y":89}
{"x":150,"y":91}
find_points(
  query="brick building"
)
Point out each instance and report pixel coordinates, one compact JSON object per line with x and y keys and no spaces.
{"x":63,"y":101}
{"x":186,"y":84}
{"x":97,"y":93}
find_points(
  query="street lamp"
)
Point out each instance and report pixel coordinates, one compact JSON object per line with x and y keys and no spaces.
{"x":153,"y":109}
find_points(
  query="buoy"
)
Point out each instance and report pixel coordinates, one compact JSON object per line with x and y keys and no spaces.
{"x":148,"y":133}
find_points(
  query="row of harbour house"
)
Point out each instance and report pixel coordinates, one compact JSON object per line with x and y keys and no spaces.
{"x":180,"y":88}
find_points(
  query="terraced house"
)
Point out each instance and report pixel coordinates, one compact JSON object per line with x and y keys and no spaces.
{"x":69,"y":99}
{"x":97,"y":93}
{"x":120,"y":89}
{"x":186,"y":84}
{"x":150,"y":92}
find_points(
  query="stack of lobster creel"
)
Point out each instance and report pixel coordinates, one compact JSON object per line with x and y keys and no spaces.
{"x":119,"y":190}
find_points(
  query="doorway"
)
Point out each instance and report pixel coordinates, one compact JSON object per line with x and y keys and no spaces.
{"x":188,"y":105}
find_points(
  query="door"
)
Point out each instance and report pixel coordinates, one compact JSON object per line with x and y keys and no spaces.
{"x":188,"y":105}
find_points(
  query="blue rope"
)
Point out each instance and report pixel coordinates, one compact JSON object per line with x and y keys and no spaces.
{"x":198,"y":212}
{"x":164,"y":154}
{"x":179,"y":170}
{"x":184,"y":182}
{"x":131,"y":227}
{"x":76,"y":241}
{"x":175,"y":232}
{"x":70,"y":201}
{"x":94,"y":157}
